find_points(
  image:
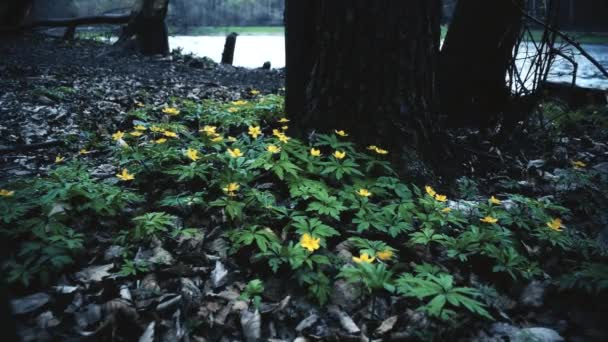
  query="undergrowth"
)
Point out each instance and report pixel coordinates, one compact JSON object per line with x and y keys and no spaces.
{"x":308,"y":211}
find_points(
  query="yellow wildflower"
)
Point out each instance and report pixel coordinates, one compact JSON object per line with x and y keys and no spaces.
{"x":233,"y":110}
{"x":364,"y":258}
{"x":341,"y":133}
{"x":385,"y":255}
{"x":235,"y":153}
{"x":156,"y":129}
{"x":364,"y":193}
{"x":446,"y":210}
{"x":430,"y":191}
{"x":283,"y":120}
{"x":140,"y":128}
{"x":273,"y":149}
{"x":441,"y":198}
{"x":285,"y":128}
{"x":217,"y":138}
{"x":381,"y":151}
{"x":118,"y":135}
{"x":339,"y":154}
{"x":83,"y":151}
{"x":315,"y":152}
{"x":254,"y":92}
{"x":209,"y":130}
{"x":372,"y":147}
{"x":255,"y":131}
{"x":125,"y":175}
{"x":495,"y":200}
{"x":578,"y":164}
{"x":239,"y":103}
{"x":139,"y":104}
{"x":59,"y":159}
{"x":555,"y":224}
{"x":231,"y":188}
{"x":231,"y":138}
{"x":489,"y":219}
{"x":192,"y":154}
{"x":171,"y":111}
{"x":310,"y":243}
{"x":161,"y":141}
{"x":6,"y":193}
{"x":283,"y":138}
{"x":136,"y":133}
{"x":170,"y":134}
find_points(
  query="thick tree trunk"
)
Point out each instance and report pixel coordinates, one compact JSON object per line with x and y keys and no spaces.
{"x":475,"y":57}
{"x":148,"y":27}
{"x":366,"y":67}
{"x":13,"y":13}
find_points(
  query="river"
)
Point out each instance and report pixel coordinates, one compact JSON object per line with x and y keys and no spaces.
{"x":252,"y":51}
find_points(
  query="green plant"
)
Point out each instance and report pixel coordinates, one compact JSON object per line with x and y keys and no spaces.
{"x":252,"y":292}
{"x":440,"y":295}
{"x":152,"y":224}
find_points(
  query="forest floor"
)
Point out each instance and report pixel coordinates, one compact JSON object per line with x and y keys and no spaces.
{"x":210,"y":233}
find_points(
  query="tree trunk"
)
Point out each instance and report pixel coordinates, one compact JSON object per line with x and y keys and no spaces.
{"x":475,"y":57}
{"x":148,"y":27}
{"x":13,"y":13}
{"x":366,"y":67}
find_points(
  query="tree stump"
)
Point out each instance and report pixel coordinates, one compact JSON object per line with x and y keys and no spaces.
{"x":228,"y":54}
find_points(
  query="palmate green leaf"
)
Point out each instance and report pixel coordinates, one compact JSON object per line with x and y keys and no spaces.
{"x":152,"y":224}
{"x":234,"y":209}
{"x":313,"y":226}
{"x":306,"y":188}
{"x":441,"y":288}
{"x":183,"y":200}
{"x":375,"y":276}
{"x":262,"y":236}
{"x":327,"y":205}
{"x":190,"y":171}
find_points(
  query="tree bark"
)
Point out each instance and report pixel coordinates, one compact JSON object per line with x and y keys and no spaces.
{"x":13,"y":13}
{"x":148,"y":27}
{"x":475,"y":57}
{"x":366,"y":67}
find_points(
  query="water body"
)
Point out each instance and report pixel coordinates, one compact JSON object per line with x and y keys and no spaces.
{"x":253,"y":51}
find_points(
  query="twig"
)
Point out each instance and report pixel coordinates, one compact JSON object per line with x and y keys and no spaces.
{"x":568,"y":40}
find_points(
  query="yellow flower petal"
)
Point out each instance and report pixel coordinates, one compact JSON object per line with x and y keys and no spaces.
{"x":489,"y":219}
{"x":235,"y":153}
{"x":171,"y":111}
{"x":364,"y":258}
{"x":339,"y":154}
{"x":125,"y":175}
{"x":6,"y":193}
{"x":364,"y":193}
{"x":255,"y":131}
{"x":555,"y":224}
{"x":385,"y":255}
{"x":273,"y":149}
{"x":310,"y":243}
{"x":315,"y":152}
{"x":192,"y":154}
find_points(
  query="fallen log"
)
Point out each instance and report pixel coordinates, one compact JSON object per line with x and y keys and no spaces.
{"x":71,"y":22}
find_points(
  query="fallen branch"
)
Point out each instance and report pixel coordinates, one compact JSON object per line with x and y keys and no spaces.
{"x":72,"y":22}
{"x":569,"y":40}
{"x":29,"y":147}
